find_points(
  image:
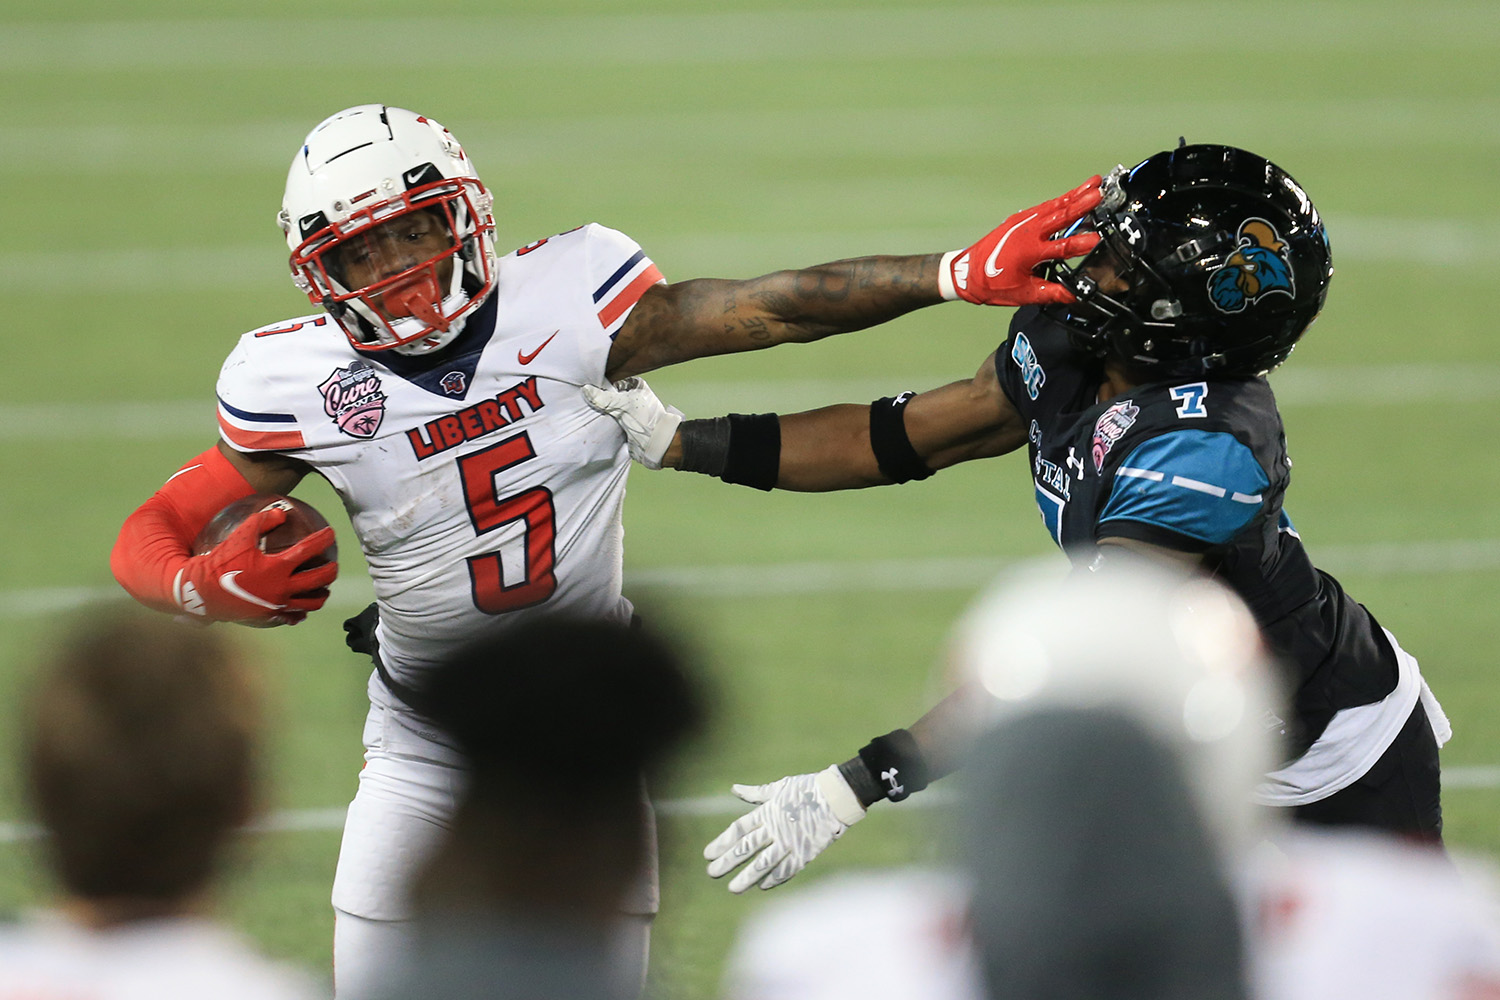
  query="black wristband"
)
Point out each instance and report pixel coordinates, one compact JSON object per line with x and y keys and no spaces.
{"x":895,"y":763}
{"x":754,"y":450}
{"x":861,"y":783}
{"x":740,"y":448}
{"x":894,"y":454}
{"x":705,"y":445}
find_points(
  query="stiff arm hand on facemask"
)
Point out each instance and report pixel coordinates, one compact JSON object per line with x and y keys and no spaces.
{"x":999,"y":270}
{"x":794,"y":820}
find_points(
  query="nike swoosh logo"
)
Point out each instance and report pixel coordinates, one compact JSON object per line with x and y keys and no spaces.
{"x":989,"y":265}
{"x":412,"y":176}
{"x":227,"y":582}
{"x":527,"y":359}
{"x":181,"y":471}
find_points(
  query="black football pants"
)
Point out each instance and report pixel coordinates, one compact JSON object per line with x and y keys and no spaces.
{"x":1400,"y":794}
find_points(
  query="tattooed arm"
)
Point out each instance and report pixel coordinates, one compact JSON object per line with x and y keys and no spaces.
{"x":695,"y":319}
{"x":706,"y":316}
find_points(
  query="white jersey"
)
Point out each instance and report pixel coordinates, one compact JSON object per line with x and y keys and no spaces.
{"x":53,"y":959}
{"x":480,"y":490}
{"x":874,"y":935}
{"x":1346,"y":913}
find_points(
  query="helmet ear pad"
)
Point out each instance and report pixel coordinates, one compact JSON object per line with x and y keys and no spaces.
{"x":1226,"y":261}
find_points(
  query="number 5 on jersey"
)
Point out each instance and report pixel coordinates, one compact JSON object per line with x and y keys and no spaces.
{"x":489,"y":511}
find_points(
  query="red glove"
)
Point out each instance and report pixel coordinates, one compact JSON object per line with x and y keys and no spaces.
{"x":999,"y":269}
{"x":153,"y":560}
{"x":237,"y":582}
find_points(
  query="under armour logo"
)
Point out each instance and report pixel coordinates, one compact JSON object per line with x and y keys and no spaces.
{"x":1074,"y":463}
{"x":889,"y":777}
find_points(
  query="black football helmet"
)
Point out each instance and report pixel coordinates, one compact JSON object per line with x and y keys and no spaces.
{"x":1225,"y":257}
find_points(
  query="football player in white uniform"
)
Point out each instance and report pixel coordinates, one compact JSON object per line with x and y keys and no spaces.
{"x":438,"y":391}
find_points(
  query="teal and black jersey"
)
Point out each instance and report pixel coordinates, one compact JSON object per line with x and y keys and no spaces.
{"x":1198,"y":466}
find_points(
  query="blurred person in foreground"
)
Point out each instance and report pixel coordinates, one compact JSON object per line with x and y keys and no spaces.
{"x":141,"y":749}
{"x":552,"y":830}
{"x":1108,"y":844}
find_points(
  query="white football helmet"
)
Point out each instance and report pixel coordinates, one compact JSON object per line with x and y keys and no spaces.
{"x":1179,"y":654}
{"x":390,"y":228}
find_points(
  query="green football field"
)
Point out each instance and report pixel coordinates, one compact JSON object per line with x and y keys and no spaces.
{"x":143,"y":147}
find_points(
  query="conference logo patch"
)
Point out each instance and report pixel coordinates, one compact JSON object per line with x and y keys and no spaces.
{"x":1033,"y":376}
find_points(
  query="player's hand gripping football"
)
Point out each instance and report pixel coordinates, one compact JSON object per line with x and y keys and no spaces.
{"x":793,"y":821}
{"x":999,"y":270}
{"x":237,"y":582}
{"x":649,"y":424}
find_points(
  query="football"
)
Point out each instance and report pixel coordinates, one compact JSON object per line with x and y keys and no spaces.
{"x":302,"y":519}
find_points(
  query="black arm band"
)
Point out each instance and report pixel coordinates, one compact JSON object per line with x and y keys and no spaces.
{"x":740,"y":448}
{"x":893,"y":765}
{"x":861,"y":783}
{"x":705,"y":445}
{"x":898,"y":460}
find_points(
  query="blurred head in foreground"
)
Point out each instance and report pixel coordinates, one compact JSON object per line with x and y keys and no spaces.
{"x":141,"y":748}
{"x":561,"y":720}
{"x":1110,"y":781}
{"x":545,"y":885}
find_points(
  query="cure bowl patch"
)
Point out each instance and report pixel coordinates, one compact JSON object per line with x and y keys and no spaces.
{"x":1111,"y":426}
{"x":352,"y":398}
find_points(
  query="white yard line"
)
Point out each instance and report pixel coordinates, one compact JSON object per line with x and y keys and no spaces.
{"x":1482,"y":777}
{"x":727,"y":37}
{"x":1446,"y":242}
{"x":1477,"y":555}
{"x":1343,"y":385}
{"x":888,"y":136}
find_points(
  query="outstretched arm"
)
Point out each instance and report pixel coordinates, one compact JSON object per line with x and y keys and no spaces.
{"x":834,"y":448}
{"x":708,"y":316}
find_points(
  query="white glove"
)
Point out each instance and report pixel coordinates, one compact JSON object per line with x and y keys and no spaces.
{"x":648,"y":422}
{"x":795,"y":819}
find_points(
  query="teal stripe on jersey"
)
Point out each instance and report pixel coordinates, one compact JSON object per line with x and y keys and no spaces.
{"x":1203,"y":484}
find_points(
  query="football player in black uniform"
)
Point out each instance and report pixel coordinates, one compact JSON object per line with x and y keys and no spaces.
{"x":1151,"y":430}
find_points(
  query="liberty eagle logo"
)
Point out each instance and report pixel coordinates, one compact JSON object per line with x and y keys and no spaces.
{"x":1259,"y":266}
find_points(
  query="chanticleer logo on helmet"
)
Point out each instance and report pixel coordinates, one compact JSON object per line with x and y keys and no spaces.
{"x":1258,"y":267}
